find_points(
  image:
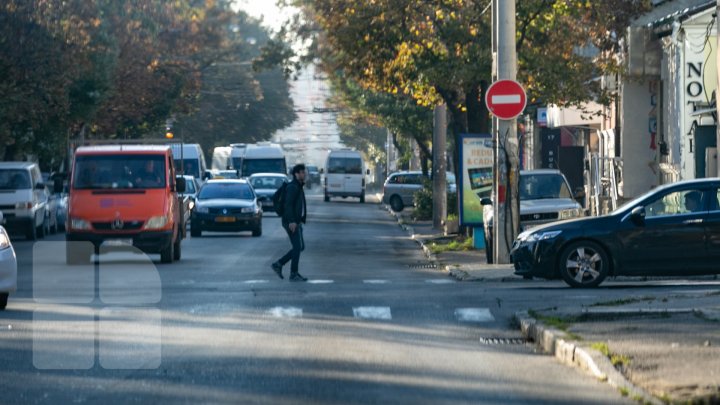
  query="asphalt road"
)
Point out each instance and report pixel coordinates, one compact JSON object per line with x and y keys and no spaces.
{"x":372,"y":326}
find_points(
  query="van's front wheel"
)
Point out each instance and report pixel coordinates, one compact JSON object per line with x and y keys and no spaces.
{"x":362,"y":198}
{"x":167,"y":254}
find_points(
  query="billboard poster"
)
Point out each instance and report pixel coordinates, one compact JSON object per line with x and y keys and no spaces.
{"x":476,"y":171}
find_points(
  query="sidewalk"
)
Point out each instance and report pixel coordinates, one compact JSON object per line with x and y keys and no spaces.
{"x":464,"y":265}
{"x":658,"y":349}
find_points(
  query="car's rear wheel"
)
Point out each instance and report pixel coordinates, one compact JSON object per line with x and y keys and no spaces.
{"x":396,"y":203}
{"x":489,"y":249}
{"x":3,"y":300}
{"x":257,"y":232}
{"x":327,"y":198}
{"x":362,"y":198}
{"x":584,"y":264}
{"x":167,"y":254}
{"x":31,"y":232}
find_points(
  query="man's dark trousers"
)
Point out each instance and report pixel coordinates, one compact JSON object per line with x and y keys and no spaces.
{"x":298,"y":245}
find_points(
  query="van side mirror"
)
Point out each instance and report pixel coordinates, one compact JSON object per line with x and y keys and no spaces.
{"x":637,"y":215}
{"x":58,"y":186}
{"x":180,"y":184}
{"x":368,"y":172}
{"x":486,"y":201}
{"x":207,"y":176}
{"x":40,"y":186}
{"x":580,"y":193}
{"x":322,"y":171}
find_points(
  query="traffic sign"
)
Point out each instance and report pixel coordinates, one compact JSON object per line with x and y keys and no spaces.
{"x":506,"y":99}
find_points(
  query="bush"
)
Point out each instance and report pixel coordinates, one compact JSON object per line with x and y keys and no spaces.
{"x":424,"y":203}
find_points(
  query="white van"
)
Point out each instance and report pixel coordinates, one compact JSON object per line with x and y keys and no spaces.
{"x":221,"y":158}
{"x":263,"y":157}
{"x":190,"y":160}
{"x":345,"y":175}
{"x":24,"y":198}
{"x":237,"y":153}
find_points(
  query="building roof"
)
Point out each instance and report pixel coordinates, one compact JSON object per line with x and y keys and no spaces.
{"x":661,"y":18}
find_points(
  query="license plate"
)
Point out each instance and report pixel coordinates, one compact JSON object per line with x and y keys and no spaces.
{"x":225,"y":219}
{"x":118,"y":242}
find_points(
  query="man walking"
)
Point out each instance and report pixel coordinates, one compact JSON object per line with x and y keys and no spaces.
{"x":293,"y":218}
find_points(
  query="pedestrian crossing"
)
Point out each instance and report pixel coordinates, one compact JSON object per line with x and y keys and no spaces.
{"x":436,"y":281}
{"x":384,"y":313}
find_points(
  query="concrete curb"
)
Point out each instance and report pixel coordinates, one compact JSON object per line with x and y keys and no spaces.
{"x":588,"y":360}
{"x":411,"y":231}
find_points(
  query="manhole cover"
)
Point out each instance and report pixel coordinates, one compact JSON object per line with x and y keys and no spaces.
{"x":423,"y":266}
{"x":502,"y":341}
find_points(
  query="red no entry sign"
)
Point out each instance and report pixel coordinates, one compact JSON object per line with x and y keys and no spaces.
{"x":506,"y":99}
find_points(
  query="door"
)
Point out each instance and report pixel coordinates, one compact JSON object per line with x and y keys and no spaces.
{"x":672,"y":240}
{"x":712,"y":227}
{"x":353,"y":176}
{"x":413,"y":184}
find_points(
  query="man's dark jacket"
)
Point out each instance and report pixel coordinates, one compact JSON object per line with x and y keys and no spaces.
{"x":294,"y":204}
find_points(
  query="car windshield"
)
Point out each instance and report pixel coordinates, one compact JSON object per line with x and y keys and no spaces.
{"x":14,"y":180}
{"x":345,"y":166}
{"x":189,"y":187}
{"x":253,"y":166}
{"x":267,"y":182}
{"x":543,"y":186}
{"x":233,"y":191}
{"x":120,"y":172}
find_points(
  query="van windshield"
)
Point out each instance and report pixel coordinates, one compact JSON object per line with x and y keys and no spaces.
{"x":119,"y":172}
{"x":191,"y":167}
{"x":254,"y":166}
{"x":344,"y":166}
{"x":14,"y":180}
{"x":543,"y":186}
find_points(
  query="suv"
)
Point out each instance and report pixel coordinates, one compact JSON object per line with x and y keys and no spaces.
{"x":400,"y":188}
{"x":544,"y":197}
{"x":24,"y":198}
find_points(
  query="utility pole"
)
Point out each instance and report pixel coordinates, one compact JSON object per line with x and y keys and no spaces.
{"x":506,"y":204}
{"x":439,"y":179}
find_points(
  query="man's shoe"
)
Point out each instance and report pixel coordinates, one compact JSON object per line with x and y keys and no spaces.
{"x":277,"y":268}
{"x":297,"y":278}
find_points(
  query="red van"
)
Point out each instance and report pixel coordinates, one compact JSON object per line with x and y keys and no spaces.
{"x":125,"y":195}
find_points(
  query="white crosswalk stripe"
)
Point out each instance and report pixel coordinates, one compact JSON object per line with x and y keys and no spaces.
{"x":440,"y":281}
{"x":474,"y":315}
{"x":382,"y":313}
{"x":286,"y":312}
{"x":320,"y":281}
{"x":256,"y":282}
{"x":376,"y":281}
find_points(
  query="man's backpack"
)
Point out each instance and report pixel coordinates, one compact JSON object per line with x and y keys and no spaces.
{"x":279,"y":199}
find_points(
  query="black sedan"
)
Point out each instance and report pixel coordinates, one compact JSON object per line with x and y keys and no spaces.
{"x":673,"y":230}
{"x":226,"y":206}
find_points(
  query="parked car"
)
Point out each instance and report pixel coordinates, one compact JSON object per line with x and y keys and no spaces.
{"x":345,"y":175}
{"x":125,"y":195}
{"x":265,"y":186}
{"x":8,"y":267}
{"x":670,"y":231}
{"x":226,"y":206}
{"x":544,"y":197}
{"x":24,"y":199}
{"x":400,"y":188}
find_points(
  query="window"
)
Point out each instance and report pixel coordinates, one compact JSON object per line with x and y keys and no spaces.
{"x":120,"y":172}
{"x":14,"y":180}
{"x":271,"y":183}
{"x":543,"y":186}
{"x":345,"y":166}
{"x":234,"y":191}
{"x":679,"y":202}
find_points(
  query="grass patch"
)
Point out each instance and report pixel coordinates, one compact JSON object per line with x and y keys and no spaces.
{"x":461,"y":245}
{"x":562,"y":324}
{"x":617,"y":360}
{"x":621,"y":302}
{"x":624,"y":391}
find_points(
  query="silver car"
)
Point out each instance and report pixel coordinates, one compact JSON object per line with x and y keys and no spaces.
{"x":545,"y":197}
{"x":400,"y":188}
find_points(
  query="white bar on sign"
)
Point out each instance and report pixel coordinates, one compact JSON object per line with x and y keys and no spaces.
{"x":508,"y":99}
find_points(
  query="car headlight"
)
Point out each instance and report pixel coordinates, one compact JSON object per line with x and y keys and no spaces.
{"x":202,"y":210}
{"x":4,"y":239}
{"x":26,"y":205}
{"x":79,"y":224}
{"x":571,"y":213}
{"x":191,"y":205}
{"x":248,"y":210}
{"x":540,"y":236}
{"x":156,"y":223}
